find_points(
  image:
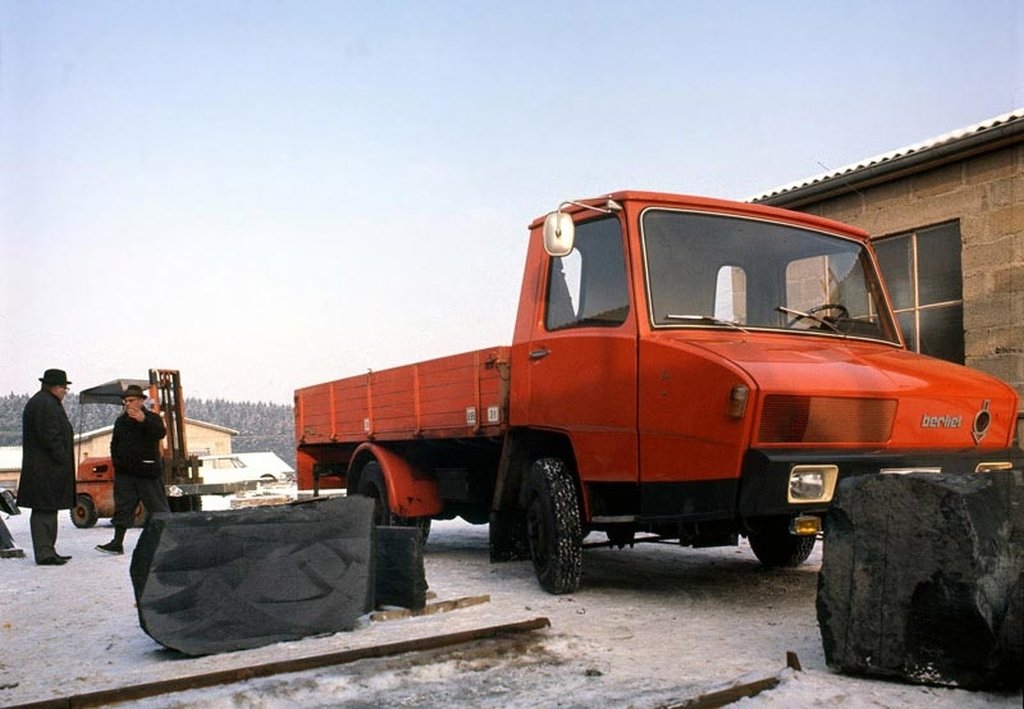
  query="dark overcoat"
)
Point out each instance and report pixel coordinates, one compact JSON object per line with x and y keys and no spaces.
{"x":47,"y":455}
{"x":135,"y":445}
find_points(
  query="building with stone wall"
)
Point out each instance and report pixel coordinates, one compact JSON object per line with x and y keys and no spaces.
{"x":947,"y":219}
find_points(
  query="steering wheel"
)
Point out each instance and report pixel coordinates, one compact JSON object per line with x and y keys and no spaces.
{"x":844,"y":314}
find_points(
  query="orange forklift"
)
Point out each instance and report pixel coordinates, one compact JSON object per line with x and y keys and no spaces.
{"x":94,"y":476}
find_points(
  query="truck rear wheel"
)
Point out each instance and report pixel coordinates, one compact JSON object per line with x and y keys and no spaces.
{"x":372,"y":485}
{"x":775,"y":547}
{"x":84,"y":515}
{"x":553,"y":526}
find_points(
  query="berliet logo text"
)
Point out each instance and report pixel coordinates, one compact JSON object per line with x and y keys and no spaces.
{"x":941,"y":421}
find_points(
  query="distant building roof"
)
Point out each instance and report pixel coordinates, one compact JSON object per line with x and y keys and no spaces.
{"x":955,"y":145}
{"x":10,"y":458}
{"x":95,"y":433}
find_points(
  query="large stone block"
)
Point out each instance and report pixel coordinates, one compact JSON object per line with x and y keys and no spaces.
{"x":922,"y":579}
{"x":399,"y":575}
{"x":230,"y":580}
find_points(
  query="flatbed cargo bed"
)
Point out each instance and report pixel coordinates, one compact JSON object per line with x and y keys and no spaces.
{"x":459,"y":396}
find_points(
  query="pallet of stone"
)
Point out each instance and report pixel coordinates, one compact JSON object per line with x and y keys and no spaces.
{"x":208,"y":582}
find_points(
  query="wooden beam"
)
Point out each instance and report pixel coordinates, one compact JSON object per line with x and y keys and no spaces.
{"x":430,"y":608}
{"x":711,"y":700}
{"x":302,"y":664}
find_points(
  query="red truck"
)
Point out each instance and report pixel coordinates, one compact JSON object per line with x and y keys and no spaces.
{"x":681,"y":368}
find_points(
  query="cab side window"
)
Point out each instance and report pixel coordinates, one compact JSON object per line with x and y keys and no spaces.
{"x":589,"y":287}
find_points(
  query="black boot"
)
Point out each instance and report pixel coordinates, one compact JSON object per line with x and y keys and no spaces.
{"x":115,"y":545}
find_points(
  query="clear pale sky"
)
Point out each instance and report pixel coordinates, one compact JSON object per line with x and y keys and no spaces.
{"x":267,"y":195}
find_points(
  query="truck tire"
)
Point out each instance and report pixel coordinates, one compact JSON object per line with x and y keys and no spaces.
{"x":372,"y":485}
{"x":775,"y":547}
{"x":553,"y":526}
{"x":83,"y":514}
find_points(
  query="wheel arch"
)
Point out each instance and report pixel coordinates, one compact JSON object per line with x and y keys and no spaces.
{"x":411,"y":491}
{"x":523,"y":446}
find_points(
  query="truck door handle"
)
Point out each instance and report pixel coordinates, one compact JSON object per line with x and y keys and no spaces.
{"x":540,"y":354}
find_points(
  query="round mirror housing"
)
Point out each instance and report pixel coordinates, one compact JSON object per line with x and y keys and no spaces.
{"x":559,"y":233}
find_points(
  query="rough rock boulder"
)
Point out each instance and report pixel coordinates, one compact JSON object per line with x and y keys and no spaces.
{"x":222,"y":581}
{"x":922,"y":579}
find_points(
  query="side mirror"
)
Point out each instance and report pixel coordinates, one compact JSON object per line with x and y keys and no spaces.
{"x":559,"y":232}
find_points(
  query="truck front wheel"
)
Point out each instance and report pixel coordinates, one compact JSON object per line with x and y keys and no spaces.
{"x":372,"y":485}
{"x":775,"y":547}
{"x":553,"y":526}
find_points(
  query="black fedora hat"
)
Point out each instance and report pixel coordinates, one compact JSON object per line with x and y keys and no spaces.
{"x":54,"y":377}
{"x":134,"y":390}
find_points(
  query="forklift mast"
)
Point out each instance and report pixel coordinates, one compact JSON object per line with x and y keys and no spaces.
{"x":165,"y":390}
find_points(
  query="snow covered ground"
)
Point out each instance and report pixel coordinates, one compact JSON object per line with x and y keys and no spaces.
{"x":651,"y":626}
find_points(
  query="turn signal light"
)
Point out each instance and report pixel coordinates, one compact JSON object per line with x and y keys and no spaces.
{"x":805,"y":525}
{"x":738,"y":401}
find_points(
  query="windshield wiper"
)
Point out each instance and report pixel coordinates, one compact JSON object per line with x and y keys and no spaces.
{"x":706,"y":319}
{"x":799,"y":314}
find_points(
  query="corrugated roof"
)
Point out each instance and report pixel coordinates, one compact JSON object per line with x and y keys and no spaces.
{"x":899,"y":155}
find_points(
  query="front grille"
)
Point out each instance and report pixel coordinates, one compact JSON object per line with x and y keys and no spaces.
{"x":825,"y":419}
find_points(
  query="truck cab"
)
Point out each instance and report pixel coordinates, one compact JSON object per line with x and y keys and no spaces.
{"x":706,"y":369}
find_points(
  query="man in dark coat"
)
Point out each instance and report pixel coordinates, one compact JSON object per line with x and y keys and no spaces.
{"x":47,"y":481}
{"x":138,"y":473}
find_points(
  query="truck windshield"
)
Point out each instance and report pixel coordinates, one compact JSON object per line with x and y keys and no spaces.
{"x":708,"y":270}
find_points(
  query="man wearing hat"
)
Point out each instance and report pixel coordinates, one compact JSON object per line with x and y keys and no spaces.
{"x":47,"y":481}
{"x":138,"y":473}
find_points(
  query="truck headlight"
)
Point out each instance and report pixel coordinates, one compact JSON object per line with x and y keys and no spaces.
{"x":812,"y":483}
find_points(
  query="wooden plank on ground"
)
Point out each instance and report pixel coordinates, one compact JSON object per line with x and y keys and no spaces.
{"x":430,"y":608}
{"x":302,"y":664}
{"x":722,"y":697}
{"x":737,"y":692}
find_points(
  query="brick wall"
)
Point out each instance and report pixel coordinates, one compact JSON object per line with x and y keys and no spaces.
{"x":986,"y":194}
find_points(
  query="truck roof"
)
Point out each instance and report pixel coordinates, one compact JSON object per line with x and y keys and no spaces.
{"x":716,"y":205}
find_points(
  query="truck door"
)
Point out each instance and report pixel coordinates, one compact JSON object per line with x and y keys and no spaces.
{"x":582,"y":360}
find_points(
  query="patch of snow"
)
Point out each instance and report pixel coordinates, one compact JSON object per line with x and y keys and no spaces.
{"x":652,"y":625}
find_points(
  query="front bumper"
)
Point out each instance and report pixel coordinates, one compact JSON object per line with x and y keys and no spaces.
{"x":765,"y":477}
